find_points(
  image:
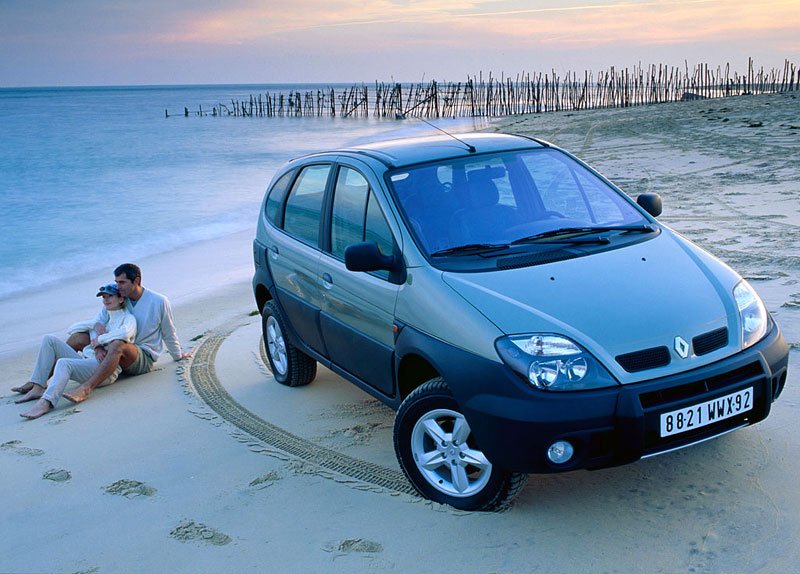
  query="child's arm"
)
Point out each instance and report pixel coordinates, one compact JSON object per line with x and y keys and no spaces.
{"x":125,"y":332}
{"x":89,"y":326}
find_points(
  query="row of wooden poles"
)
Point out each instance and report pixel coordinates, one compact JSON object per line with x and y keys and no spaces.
{"x":523,"y":94}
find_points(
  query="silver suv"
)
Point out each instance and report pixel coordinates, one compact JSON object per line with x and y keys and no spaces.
{"x":518,"y":311}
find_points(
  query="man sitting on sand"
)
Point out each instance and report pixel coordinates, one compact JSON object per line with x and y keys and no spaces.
{"x":64,"y":363}
{"x":155,"y":329}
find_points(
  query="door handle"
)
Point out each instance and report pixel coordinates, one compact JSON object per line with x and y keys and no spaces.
{"x":327,"y":281}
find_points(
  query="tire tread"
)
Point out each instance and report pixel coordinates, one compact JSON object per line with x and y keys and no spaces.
{"x":302,"y":369}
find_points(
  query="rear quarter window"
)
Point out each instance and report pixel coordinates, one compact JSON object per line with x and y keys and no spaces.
{"x":275,"y":198}
{"x":304,"y":206}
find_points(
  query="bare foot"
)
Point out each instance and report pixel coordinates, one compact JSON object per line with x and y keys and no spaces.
{"x":22,"y":389}
{"x":34,"y":393}
{"x":78,"y":395}
{"x":42,"y":406}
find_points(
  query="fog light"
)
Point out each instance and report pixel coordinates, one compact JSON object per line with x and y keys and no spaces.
{"x":560,"y":452}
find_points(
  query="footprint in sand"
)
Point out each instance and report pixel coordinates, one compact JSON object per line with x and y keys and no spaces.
{"x":359,"y":434}
{"x":189,"y":531}
{"x":59,"y":418}
{"x":130,"y":488}
{"x":266,"y":480}
{"x":15,"y":447}
{"x":364,"y":408}
{"x":355,"y":546}
{"x":793,"y":302}
{"x":57,"y":475}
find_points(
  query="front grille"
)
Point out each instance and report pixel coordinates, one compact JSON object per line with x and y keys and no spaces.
{"x":695,"y":388}
{"x":695,"y":392}
{"x":711,"y":341}
{"x":660,"y":356}
{"x":644,"y":359}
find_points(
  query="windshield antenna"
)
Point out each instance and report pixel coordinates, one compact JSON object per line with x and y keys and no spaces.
{"x":470,"y":148}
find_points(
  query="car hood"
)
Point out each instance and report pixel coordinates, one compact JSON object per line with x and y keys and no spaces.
{"x":616,"y":302}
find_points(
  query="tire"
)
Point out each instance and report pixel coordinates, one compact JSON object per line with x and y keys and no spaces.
{"x":289,"y":365}
{"x":430,"y":427}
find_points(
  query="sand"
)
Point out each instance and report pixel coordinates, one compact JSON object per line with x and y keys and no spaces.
{"x":211,"y":466}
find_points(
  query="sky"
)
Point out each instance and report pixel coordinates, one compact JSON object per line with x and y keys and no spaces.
{"x":111,"y":42}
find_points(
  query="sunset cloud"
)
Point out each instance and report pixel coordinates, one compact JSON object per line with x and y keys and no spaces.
{"x":352,"y":38}
{"x":581,"y":22}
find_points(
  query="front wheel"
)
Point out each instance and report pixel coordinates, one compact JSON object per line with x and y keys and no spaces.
{"x":438,"y":454}
{"x":289,"y":365}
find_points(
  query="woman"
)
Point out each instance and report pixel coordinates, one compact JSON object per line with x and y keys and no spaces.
{"x":65,"y":363}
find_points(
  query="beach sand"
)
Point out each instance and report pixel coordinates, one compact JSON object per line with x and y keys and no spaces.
{"x":210,"y":466}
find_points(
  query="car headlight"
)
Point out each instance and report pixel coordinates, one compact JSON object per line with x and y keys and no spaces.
{"x":752,"y":313}
{"x":553,"y":362}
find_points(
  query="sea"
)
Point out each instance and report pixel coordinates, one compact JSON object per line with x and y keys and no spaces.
{"x":94,"y":176}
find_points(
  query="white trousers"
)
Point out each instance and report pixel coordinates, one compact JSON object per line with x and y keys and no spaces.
{"x":66,"y":364}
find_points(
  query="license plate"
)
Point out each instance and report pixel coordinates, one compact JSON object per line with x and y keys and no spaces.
{"x":709,"y":412}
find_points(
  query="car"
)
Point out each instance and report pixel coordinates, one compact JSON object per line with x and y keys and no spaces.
{"x":518,"y":311}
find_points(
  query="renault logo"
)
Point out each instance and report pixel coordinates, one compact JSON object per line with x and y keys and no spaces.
{"x":681,"y":347}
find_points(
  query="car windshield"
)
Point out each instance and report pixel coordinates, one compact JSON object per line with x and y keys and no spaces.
{"x":497,"y":199}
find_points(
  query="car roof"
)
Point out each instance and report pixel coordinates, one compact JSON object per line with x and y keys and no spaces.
{"x":409,"y":151}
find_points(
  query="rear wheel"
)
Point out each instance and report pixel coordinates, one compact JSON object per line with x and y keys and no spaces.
{"x":438,"y":454}
{"x":290,"y":366}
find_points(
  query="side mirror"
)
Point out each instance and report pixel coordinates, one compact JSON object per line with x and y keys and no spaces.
{"x":651,"y":203}
{"x":367,"y":257}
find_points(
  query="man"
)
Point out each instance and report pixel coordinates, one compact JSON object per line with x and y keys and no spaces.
{"x":155,"y":330}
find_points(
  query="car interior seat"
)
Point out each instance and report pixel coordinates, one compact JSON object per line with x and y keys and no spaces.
{"x":482,"y":218}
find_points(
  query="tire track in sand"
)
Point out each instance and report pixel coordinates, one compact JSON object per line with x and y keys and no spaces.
{"x":203,"y":379}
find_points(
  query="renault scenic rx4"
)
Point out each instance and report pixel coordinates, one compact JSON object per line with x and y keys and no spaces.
{"x":519,"y":312}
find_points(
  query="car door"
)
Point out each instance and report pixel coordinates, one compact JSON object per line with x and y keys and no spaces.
{"x":357,"y":318}
{"x":294,"y":253}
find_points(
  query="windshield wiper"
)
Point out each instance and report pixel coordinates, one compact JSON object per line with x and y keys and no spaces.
{"x":470,"y":249}
{"x":553,"y":234}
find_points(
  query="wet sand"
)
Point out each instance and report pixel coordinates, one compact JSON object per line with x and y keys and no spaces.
{"x":213,"y":467}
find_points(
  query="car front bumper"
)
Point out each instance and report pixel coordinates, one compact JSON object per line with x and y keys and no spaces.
{"x":613,"y":426}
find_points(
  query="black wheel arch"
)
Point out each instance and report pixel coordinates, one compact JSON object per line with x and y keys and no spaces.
{"x":413,"y":370}
{"x":301,"y":368}
{"x":420,"y":357}
{"x":262,"y":295}
{"x":467,"y":376}
{"x":263,"y":283}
